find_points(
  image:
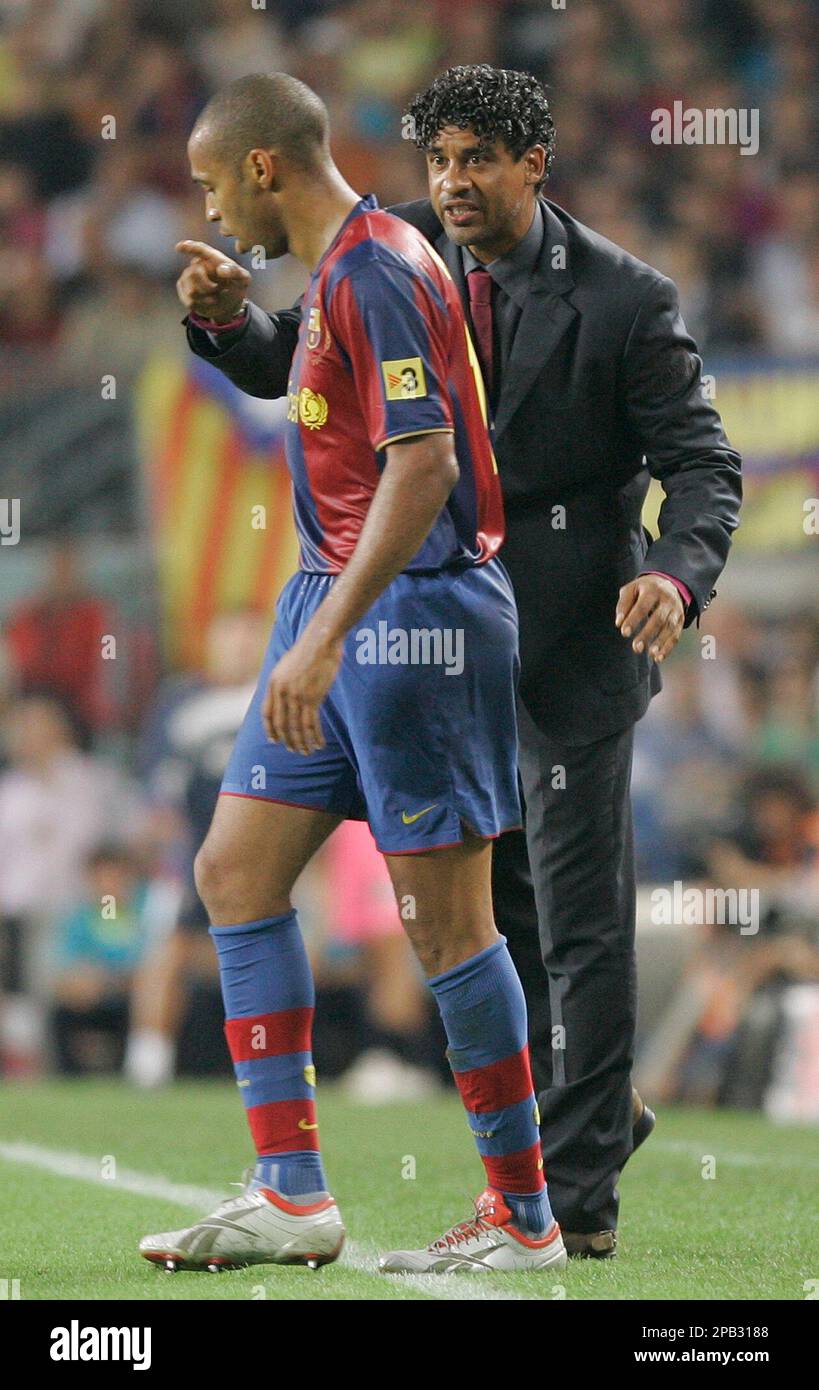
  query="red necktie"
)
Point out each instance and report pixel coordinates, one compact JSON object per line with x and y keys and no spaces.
{"x":480,"y":304}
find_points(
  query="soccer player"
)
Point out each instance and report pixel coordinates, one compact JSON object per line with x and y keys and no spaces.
{"x":387,"y":694}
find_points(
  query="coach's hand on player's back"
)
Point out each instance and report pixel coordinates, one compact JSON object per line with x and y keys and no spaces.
{"x":211,"y":285}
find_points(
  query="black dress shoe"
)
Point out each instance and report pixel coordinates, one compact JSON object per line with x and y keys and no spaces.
{"x":602,"y":1245}
{"x":643,"y":1120}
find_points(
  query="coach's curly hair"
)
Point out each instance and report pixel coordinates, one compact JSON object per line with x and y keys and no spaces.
{"x":497,"y":103}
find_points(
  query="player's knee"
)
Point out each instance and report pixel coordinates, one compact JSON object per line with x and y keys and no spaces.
{"x":440,"y":946}
{"x":217,"y":876}
{"x":432,"y":948}
{"x":235,"y":886}
{"x":203,"y":873}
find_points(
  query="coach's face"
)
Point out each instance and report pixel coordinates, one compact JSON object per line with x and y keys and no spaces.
{"x":484,"y":196}
{"x":239,"y":201}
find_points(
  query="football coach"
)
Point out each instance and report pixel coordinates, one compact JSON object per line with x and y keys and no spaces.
{"x":595,"y":388}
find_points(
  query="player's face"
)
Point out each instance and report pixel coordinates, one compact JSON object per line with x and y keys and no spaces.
{"x":482,"y":194}
{"x":236,"y":201}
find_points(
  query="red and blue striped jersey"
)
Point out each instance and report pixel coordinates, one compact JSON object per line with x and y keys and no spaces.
{"x":384,"y":353}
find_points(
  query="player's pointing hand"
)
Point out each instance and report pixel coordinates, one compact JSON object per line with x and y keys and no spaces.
{"x":211,"y":285}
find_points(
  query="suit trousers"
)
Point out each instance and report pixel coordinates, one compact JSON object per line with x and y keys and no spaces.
{"x":564,"y":897}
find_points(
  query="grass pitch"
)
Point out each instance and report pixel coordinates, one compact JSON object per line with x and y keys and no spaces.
{"x":86,"y":1168}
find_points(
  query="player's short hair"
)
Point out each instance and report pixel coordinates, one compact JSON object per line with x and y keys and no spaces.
{"x":497,"y":103}
{"x":267,"y":110}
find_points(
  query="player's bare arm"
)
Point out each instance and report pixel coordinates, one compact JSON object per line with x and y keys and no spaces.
{"x":211,"y":285}
{"x":419,"y":475}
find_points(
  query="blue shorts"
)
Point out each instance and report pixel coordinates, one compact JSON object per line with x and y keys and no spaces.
{"x":420,"y":721}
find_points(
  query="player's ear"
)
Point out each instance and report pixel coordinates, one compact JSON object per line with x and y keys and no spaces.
{"x":263,"y":166}
{"x":534,"y":164}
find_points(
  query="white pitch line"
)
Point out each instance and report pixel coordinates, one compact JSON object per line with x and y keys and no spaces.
{"x":449,"y":1288}
{"x":735,"y":1159}
{"x":85,"y":1169}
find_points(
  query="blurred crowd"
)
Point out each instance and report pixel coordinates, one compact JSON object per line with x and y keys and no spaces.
{"x":726,"y":794}
{"x":97,"y":98}
{"x":107,"y":784}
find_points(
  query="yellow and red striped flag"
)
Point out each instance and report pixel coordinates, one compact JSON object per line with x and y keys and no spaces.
{"x":219,"y":497}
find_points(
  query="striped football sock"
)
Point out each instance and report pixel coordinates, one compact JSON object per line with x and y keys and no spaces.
{"x":484,"y":1013}
{"x":269,"y":997}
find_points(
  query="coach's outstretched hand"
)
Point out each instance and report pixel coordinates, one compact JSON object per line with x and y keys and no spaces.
{"x":212,"y":285}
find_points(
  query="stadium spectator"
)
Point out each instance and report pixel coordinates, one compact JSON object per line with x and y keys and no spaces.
{"x":98,"y":948}
{"x":714,"y":1045}
{"x":55,"y":640}
{"x":37,"y":129}
{"x":785,"y":273}
{"x":682,"y":781}
{"x":28,"y":311}
{"x":234,"y":43}
{"x":56,"y":803}
{"x":122,"y":294}
{"x":21,"y":214}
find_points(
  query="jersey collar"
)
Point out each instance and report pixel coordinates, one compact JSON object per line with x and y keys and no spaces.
{"x":369,"y":203}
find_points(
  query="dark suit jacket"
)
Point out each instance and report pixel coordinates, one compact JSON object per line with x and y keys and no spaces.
{"x":602,"y":391}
